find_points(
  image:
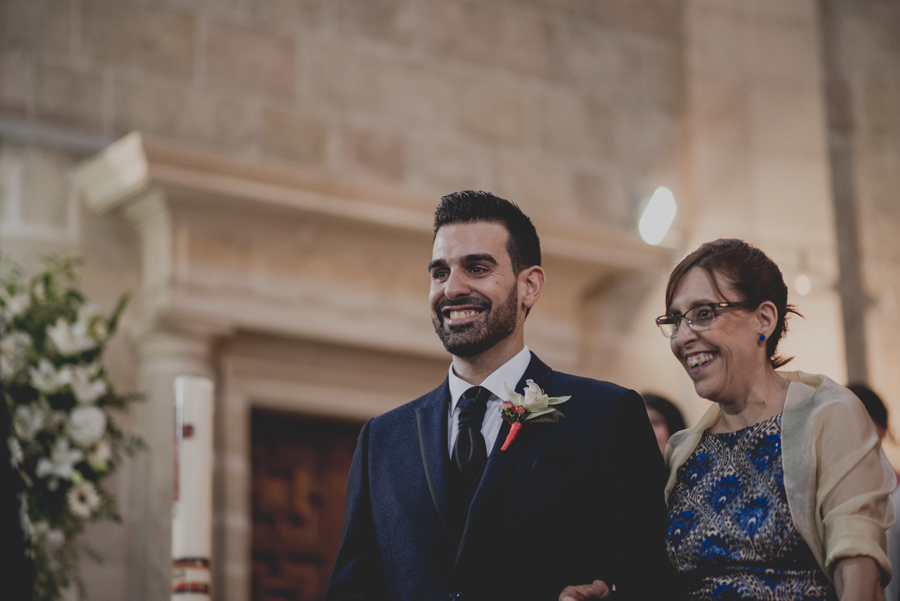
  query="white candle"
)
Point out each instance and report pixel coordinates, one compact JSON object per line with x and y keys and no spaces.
{"x":192,"y":507}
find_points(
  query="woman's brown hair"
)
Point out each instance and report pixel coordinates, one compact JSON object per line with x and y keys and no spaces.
{"x":750,"y":273}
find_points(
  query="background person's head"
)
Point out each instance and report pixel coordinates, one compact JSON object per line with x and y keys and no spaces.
{"x":664,"y":416}
{"x":750,"y":274}
{"x":874,"y":407}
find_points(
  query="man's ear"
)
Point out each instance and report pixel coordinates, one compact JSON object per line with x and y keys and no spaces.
{"x":531,"y":282}
{"x":767,"y":314}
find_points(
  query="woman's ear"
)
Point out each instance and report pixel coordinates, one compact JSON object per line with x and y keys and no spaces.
{"x":767,"y":314}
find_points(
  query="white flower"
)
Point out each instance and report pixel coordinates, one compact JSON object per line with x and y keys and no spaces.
{"x":61,"y":462}
{"x":29,"y":420}
{"x":87,"y":424}
{"x":83,"y":499}
{"x":70,"y":339}
{"x":13,"y":350}
{"x":535,"y":399}
{"x":86,"y":389}
{"x":46,"y":379}
{"x":99,"y":458}
{"x":91,"y":315}
{"x":15,"y":452}
{"x":16,"y":304}
{"x":52,"y":538}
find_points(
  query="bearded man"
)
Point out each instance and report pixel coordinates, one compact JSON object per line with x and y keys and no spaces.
{"x":438,"y":507}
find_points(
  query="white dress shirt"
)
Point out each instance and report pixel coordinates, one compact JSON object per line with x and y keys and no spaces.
{"x":509,"y":373}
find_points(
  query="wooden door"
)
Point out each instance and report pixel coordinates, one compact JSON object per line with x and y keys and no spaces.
{"x":300,"y":471}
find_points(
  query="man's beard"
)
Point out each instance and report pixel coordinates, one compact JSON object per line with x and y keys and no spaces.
{"x":474,"y":338}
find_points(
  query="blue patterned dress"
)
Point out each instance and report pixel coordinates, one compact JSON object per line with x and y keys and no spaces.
{"x":730,"y":533}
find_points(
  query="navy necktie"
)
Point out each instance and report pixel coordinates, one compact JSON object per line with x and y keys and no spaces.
{"x":470,"y":452}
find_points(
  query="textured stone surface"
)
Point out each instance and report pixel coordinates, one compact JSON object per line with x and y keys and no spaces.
{"x":251,"y":59}
{"x":450,"y":166}
{"x":154,"y":37}
{"x":787,"y":121}
{"x":36,"y":25}
{"x":294,"y":137}
{"x":570,"y":125}
{"x":473,"y":33}
{"x":149,"y":107}
{"x":718,"y":111}
{"x":374,"y":153}
{"x":385,"y":20}
{"x":540,"y":186}
{"x":652,"y":17}
{"x":881,"y":108}
{"x":45,"y":194}
{"x":69,"y":96}
{"x":383,"y":89}
{"x":15,"y":83}
{"x":491,"y":111}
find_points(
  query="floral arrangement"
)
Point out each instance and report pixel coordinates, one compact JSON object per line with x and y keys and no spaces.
{"x":62,"y":441}
{"x":533,"y":404}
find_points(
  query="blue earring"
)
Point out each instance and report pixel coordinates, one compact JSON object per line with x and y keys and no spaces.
{"x":762,"y":337}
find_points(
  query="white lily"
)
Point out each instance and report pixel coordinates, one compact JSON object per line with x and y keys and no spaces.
{"x":70,"y":339}
{"x":536,"y":402}
{"x":99,"y":458}
{"x":61,"y":463}
{"x":16,"y":304}
{"x":29,"y":420}
{"x":84,"y":387}
{"x":47,"y":379}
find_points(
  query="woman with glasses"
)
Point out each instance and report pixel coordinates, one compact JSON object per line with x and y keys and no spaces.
{"x":781,"y":490}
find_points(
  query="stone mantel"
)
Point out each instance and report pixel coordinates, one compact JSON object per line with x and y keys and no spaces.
{"x":231,"y":244}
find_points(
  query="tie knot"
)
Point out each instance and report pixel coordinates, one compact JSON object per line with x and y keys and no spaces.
{"x":472,"y":406}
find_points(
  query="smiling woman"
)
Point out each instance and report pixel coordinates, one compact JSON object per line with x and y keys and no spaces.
{"x":781,"y":491}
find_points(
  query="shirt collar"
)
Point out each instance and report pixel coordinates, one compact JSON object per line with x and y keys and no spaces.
{"x":509,"y":373}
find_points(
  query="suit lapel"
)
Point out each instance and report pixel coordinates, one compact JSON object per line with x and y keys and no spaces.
{"x":431,"y":425}
{"x":500,"y":462}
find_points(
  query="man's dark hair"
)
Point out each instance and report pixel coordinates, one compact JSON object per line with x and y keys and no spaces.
{"x":470,"y":206}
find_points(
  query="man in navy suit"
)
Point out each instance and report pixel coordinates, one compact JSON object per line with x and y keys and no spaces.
{"x":436,"y":510}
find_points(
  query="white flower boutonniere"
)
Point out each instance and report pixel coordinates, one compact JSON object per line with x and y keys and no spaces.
{"x":521,"y":408}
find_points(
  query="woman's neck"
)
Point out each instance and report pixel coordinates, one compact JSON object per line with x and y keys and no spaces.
{"x":764,"y":399}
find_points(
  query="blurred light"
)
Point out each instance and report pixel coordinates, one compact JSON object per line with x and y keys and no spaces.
{"x":658,"y":216}
{"x":803,"y":285}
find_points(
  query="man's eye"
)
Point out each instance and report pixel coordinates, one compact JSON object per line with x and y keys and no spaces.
{"x":477,"y":269}
{"x":439,"y":274}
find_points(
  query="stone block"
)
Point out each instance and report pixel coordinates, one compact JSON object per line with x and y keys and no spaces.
{"x":153,"y":37}
{"x":491,"y":110}
{"x":373,"y":153}
{"x":787,"y":53}
{"x":392,"y":21}
{"x":880,"y":116}
{"x":594,"y":61}
{"x":69,"y":96}
{"x":571,"y":125}
{"x":296,"y":137}
{"x":251,"y":59}
{"x":723,"y":180}
{"x":36,"y":24}
{"x":45,"y":194}
{"x":150,"y":107}
{"x":388,"y":90}
{"x":306,"y":12}
{"x":449,"y":166}
{"x":201,"y":117}
{"x":658,"y":18}
{"x":600,"y":195}
{"x":718,"y":111}
{"x":787,"y":121}
{"x":791,"y":192}
{"x":538,"y":185}
{"x":15,"y":83}
{"x":715,"y":42}
{"x":485,"y":36}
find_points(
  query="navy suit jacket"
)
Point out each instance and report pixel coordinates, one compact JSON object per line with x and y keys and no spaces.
{"x":566,"y":503}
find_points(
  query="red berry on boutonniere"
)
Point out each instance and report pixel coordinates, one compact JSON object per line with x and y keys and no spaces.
{"x":521,"y":408}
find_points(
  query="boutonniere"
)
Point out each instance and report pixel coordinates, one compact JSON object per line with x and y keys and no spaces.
{"x":533,"y":404}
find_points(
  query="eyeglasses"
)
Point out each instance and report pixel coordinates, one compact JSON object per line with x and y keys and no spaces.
{"x":698,"y":318}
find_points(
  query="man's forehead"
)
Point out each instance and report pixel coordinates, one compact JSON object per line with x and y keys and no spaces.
{"x":471,"y":238}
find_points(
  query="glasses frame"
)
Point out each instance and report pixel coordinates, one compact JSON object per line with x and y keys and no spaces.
{"x":713,"y":306}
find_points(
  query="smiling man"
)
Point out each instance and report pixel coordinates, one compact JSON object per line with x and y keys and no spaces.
{"x":439,"y":508}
